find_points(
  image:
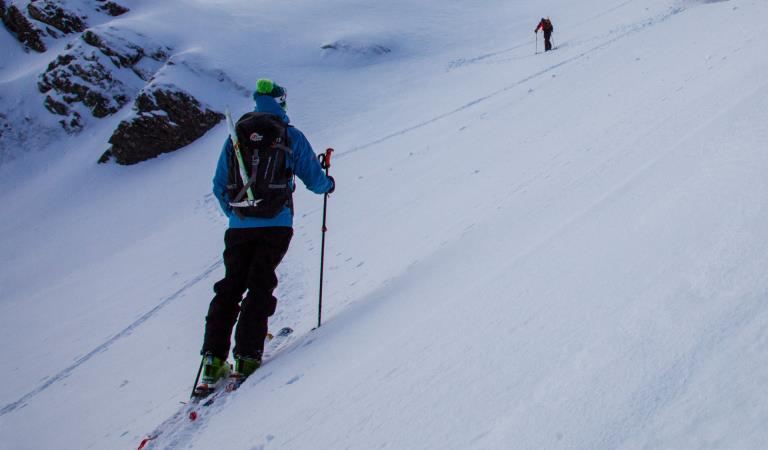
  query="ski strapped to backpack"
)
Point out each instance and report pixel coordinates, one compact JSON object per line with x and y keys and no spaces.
{"x":236,"y":147}
{"x":260,"y":181}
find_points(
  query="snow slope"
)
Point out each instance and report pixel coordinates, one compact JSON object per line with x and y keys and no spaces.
{"x":562,"y":250}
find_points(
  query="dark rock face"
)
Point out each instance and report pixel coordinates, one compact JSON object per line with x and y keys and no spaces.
{"x":112,"y":8}
{"x":45,"y":19}
{"x":167,"y":119}
{"x":51,"y":13}
{"x":21,"y":27}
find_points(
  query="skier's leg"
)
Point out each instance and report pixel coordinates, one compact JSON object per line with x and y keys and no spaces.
{"x":224,"y":308}
{"x":259,"y":304}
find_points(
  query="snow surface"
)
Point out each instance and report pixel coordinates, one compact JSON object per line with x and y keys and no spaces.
{"x":554,"y":250}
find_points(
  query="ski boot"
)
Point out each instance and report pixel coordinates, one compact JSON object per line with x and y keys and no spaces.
{"x":214,"y":371}
{"x":244,"y":367}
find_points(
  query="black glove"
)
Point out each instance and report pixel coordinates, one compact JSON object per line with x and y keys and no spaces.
{"x":333,"y":185}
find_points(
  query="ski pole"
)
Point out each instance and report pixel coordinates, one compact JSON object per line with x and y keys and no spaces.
{"x":197,"y":378}
{"x":325,"y":163}
{"x":537,"y":44}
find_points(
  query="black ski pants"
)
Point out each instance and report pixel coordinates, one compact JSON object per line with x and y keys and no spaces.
{"x":251,"y":256}
{"x":547,"y":41}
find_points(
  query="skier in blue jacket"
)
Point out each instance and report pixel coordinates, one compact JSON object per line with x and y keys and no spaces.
{"x":254,"y":247}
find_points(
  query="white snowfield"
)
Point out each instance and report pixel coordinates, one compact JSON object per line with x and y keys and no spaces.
{"x":563,"y":250}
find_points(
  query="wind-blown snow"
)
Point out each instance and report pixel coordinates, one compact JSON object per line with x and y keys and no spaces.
{"x":554,"y":250}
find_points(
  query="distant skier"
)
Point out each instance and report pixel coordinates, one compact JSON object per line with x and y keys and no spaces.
{"x":260,"y":230}
{"x":546,"y":26}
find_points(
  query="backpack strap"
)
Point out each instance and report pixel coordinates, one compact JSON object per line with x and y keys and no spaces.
{"x":288,"y":144}
{"x":243,"y":191}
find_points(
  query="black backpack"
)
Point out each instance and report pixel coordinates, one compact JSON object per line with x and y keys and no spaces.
{"x":265,"y":148}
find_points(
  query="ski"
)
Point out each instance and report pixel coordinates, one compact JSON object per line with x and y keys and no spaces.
{"x":236,"y":146}
{"x":193,"y":409}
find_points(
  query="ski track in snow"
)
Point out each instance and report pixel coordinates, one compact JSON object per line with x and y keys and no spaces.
{"x":63,"y":374}
{"x":625,"y":32}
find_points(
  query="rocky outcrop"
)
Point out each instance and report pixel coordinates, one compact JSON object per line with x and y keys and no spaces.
{"x":34,"y":21}
{"x":51,"y":13}
{"x":166,"y":119}
{"x":82,"y":76}
{"x":112,"y":8}
{"x":21,"y":27}
{"x":356,"y":48}
{"x":92,"y":73}
{"x":103,"y":69}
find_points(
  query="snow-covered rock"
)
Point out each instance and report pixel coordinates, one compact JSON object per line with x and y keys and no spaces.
{"x":52,"y":13}
{"x":20,"y":26}
{"x":112,"y":8}
{"x":103,"y":71}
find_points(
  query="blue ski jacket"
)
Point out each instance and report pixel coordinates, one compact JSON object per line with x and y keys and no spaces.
{"x":303,"y":162}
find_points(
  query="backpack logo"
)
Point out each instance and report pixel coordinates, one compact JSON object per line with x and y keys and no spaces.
{"x":256,"y":137}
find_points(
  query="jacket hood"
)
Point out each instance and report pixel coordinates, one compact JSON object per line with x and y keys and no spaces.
{"x":267,"y":104}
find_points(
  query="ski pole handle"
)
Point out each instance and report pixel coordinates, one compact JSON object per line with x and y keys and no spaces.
{"x":325,"y":159}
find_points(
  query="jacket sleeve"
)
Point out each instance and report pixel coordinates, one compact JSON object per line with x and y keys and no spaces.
{"x":221,"y":178}
{"x":306,"y":166}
